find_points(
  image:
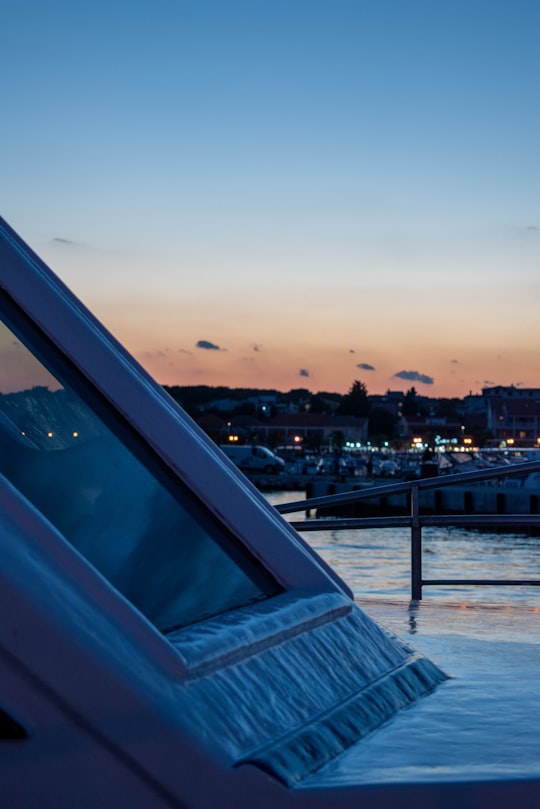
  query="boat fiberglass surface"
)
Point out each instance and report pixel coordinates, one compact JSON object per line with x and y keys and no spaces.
{"x":167,"y":638}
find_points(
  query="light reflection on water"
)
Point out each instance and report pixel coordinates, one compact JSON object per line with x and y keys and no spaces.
{"x":375,"y":563}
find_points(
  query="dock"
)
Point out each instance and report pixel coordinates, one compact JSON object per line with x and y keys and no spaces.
{"x":487,"y":498}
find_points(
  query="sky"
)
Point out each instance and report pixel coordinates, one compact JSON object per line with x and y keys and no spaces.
{"x":286,"y":193}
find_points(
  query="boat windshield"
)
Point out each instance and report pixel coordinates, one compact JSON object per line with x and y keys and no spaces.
{"x":148,"y":535}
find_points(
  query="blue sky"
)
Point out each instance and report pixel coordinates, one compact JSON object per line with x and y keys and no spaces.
{"x":286,"y":194}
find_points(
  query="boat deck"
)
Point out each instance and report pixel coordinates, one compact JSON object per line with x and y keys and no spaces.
{"x":483,"y":724}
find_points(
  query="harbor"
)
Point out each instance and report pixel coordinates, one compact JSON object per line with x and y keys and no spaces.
{"x":226,"y":655}
{"x":477,"y":491}
{"x":270,"y":406}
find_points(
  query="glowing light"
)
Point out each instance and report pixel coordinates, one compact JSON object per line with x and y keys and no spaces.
{"x":75,"y":434}
{"x":50,"y":435}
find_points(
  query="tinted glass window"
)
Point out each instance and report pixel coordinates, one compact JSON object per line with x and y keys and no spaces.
{"x":153,"y":542}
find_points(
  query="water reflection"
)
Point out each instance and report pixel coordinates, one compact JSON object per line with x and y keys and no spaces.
{"x":375,"y":563}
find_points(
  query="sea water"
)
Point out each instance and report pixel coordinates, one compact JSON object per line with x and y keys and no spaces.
{"x":376,"y":562}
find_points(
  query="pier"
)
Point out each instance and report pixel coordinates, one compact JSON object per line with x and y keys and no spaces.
{"x":479,"y":498}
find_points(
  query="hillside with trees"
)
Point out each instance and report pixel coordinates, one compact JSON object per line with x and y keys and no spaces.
{"x":386,"y":414}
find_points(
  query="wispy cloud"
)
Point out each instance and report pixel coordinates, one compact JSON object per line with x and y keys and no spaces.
{"x":415,"y":376}
{"x":61,"y":240}
{"x":527,"y":232}
{"x":365,"y":366}
{"x":160,"y":353}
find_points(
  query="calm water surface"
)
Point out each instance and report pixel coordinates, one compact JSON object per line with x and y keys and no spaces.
{"x":376,"y":562}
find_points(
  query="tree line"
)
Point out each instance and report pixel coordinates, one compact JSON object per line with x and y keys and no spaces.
{"x":198,"y":399}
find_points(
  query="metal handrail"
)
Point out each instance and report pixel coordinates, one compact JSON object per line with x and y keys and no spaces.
{"x":416,"y":521}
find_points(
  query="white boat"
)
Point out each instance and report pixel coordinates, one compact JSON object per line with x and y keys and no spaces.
{"x":168,"y":639}
{"x":458,"y":462}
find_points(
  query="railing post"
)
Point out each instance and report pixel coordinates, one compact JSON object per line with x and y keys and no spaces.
{"x":416,"y":546}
